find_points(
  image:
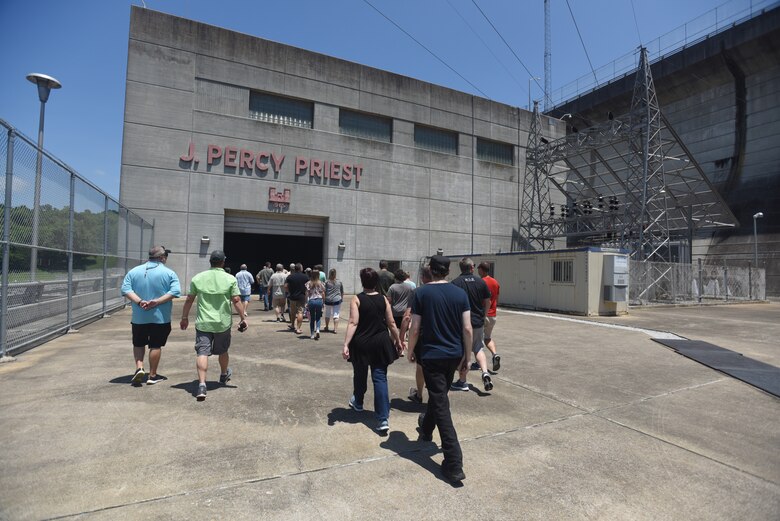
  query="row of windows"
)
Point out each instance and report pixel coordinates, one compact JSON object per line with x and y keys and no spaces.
{"x":297,"y":113}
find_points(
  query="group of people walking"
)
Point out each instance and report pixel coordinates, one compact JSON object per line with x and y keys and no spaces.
{"x":302,"y":294}
{"x":444,"y":322}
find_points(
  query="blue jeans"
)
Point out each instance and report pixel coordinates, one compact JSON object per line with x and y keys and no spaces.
{"x":264,"y":297}
{"x":381,"y":394}
{"x":315,"y":314}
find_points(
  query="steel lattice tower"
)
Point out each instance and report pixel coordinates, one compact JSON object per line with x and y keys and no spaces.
{"x":534,"y":231}
{"x":645,"y":230}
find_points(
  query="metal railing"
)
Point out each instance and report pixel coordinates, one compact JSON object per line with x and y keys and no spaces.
{"x":66,"y":246}
{"x":673,"y":283}
{"x":714,"y":21}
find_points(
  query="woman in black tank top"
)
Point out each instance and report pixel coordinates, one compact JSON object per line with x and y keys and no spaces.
{"x":367,"y":344}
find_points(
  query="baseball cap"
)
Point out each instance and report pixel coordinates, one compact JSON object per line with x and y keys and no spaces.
{"x":217,"y":256}
{"x":440,"y":264}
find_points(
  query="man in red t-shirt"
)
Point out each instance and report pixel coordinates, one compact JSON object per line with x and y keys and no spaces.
{"x":490,"y":319}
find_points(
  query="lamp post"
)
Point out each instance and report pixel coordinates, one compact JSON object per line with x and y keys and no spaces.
{"x":759,"y":215}
{"x":45,"y":84}
{"x":532,"y":78}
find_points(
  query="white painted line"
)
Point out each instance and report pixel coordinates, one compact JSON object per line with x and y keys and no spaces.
{"x":661,"y":335}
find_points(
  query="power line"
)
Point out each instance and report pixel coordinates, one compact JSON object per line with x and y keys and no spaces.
{"x":636,"y":24}
{"x":484,"y":43}
{"x":581,"y":40}
{"x":505,"y":43}
{"x":426,"y":48}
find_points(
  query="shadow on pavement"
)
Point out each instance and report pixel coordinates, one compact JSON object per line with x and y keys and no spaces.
{"x":418,"y":452}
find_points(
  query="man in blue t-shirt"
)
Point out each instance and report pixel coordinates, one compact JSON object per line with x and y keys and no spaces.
{"x":443,"y":313}
{"x":151,"y":287}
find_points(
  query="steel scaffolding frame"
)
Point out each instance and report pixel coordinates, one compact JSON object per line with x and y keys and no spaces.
{"x":629,"y":183}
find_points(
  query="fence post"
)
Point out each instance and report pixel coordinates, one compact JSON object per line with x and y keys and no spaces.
{"x":750,"y":281}
{"x":141,"y":251}
{"x":105,"y":252}
{"x":674,"y":282}
{"x":701,"y":288}
{"x":726,"y":278}
{"x":9,"y":181}
{"x":71,"y":220}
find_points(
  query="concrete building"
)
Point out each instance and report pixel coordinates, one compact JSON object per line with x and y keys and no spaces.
{"x":279,"y":154}
{"x":722,"y":96}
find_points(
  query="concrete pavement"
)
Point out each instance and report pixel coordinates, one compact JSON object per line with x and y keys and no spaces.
{"x":585,"y":422}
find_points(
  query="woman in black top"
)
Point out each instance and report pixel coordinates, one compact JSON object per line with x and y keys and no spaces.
{"x":367,"y":344}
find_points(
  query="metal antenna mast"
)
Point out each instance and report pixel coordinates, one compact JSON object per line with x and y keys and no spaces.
{"x":646,"y":229}
{"x":547,"y":57}
{"x":534,"y":232}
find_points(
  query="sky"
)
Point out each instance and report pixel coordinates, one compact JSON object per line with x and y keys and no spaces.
{"x":83,"y":44}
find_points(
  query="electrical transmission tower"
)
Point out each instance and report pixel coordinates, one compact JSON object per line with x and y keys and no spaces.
{"x":629,"y":182}
{"x":547,"y":57}
{"x":645,"y":230}
{"x":534,"y":231}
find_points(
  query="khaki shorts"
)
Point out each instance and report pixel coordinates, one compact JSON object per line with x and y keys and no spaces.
{"x":207,"y":344}
{"x":296,"y":307}
{"x":279,"y":302}
{"x":490,"y":323}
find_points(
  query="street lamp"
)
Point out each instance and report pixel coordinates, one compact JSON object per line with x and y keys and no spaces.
{"x":759,"y":215}
{"x":532,"y":78}
{"x":45,"y":84}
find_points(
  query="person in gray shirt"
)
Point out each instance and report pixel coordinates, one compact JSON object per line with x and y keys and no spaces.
{"x":334,"y":294}
{"x":399,"y":295}
{"x":263,"y":278}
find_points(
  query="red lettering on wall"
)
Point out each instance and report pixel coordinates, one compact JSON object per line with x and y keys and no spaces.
{"x":277,"y":162}
{"x":212,"y":152}
{"x":230,"y":156}
{"x":190,"y":154}
{"x":246,"y":159}
{"x":259,"y":163}
{"x":358,"y":172}
{"x":301,"y":166}
{"x":316,"y":168}
{"x":347,"y":173}
{"x":334,"y":170}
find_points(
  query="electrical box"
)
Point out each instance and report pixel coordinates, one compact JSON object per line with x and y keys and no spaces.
{"x":615,"y":278}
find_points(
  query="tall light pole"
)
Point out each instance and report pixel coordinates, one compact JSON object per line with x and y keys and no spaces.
{"x":532,"y":78}
{"x":759,"y":215}
{"x":45,"y":84}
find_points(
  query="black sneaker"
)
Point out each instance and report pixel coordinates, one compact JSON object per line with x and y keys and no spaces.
{"x":225,"y":378}
{"x":496,"y":363}
{"x":413,"y":396}
{"x":155,"y":379}
{"x":317,"y":335}
{"x":138,"y":377}
{"x":201,"y":392}
{"x":453,"y":476}
{"x":474,"y":366}
{"x":487,"y":381}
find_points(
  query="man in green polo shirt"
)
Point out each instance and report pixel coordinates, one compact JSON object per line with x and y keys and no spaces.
{"x":215,"y":290}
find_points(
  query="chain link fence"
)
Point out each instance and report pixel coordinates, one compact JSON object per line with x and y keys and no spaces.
{"x":66,"y":246}
{"x":674,"y":283}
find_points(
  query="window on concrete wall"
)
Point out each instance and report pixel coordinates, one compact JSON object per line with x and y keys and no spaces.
{"x":563,"y":271}
{"x":366,"y":126}
{"x":278,"y":109}
{"x":495,"y":152}
{"x":436,"y":139}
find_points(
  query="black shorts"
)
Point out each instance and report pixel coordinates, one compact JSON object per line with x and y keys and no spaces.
{"x":152,"y":335}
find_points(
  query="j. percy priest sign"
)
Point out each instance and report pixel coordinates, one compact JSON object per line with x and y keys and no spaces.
{"x":250,"y":162}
